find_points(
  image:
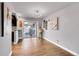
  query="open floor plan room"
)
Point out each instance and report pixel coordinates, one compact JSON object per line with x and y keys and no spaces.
{"x":39,"y":28}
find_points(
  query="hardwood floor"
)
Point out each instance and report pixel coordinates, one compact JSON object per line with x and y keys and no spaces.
{"x":37,"y":47}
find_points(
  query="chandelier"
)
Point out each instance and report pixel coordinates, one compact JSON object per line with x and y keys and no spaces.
{"x":37,"y":14}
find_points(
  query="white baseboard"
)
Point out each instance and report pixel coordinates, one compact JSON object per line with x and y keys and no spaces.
{"x":10,"y":53}
{"x":62,"y":47}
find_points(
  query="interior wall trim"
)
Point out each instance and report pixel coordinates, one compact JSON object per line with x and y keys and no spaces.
{"x":73,"y":53}
{"x":10,"y":53}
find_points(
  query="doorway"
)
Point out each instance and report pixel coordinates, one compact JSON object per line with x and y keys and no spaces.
{"x":14,"y":25}
{"x":29,"y":29}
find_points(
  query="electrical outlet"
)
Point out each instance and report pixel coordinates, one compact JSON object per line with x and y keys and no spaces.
{"x":57,"y":41}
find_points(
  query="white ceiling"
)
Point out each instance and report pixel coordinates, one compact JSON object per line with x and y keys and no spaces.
{"x":28,"y":9}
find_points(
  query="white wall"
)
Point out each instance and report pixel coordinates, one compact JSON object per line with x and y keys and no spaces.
{"x":68,"y":33}
{"x":5,"y":42}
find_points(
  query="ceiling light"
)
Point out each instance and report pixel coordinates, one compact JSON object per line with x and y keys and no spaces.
{"x":37,"y":11}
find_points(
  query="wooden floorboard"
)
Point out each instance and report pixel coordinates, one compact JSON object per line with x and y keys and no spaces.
{"x":37,"y":47}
